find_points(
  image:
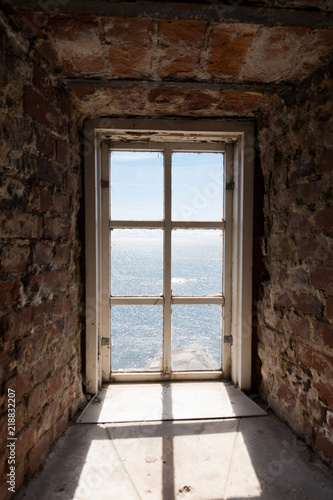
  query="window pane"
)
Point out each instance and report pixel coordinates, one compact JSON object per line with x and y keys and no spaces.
{"x":196,"y":262}
{"x":136,"y":261}
{"x":136,"y":185}
{"x":196,"y":337}
{"x":136,"y":333}
{"x":197,"y":182}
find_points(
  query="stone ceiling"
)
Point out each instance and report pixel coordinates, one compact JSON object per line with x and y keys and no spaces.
{"x":184,"y":56}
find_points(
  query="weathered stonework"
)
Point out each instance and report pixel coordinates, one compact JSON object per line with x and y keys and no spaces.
{"x":295,"y":314}
{"x":40,"y":285}
{"x":156,"y":66}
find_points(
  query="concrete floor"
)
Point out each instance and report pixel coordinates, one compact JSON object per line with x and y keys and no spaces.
{"x":234,"y":459}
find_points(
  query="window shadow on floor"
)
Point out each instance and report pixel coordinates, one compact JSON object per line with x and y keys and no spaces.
{"x":234,"y":459}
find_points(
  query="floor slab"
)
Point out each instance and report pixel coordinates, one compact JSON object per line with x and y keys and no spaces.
{"x":168,"y":401}
{"x":221,"y":459}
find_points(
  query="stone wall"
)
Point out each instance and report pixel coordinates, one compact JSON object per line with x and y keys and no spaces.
{"x":40,"y":190}
{"x":296,"y":312}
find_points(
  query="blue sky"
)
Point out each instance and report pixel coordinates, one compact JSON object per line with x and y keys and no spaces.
{"x":137,"y":186}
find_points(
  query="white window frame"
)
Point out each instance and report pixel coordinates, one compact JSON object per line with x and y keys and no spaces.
{"x":238,"y":138}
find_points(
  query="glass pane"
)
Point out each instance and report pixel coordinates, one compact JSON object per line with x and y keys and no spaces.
{"x":196,"y":262}
{"x":136,"y":262}
{"x":136,"y":185}
{"x":196,"y":337}
{"x":197,"y":186}
{"x":136,"y":338}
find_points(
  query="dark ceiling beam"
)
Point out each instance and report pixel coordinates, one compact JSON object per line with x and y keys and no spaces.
{"x":217,"y":11}
{"x":202,"y":86}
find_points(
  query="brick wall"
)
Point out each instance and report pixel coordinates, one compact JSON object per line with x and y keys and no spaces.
{"x":296,"y":313}
{"x":40,"y":190}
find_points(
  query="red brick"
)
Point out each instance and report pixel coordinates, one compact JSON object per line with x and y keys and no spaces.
{"x":299,"y":327}
{"x":49,"y":172}
{"x":61,"y":424}
{"x":63,"y":305}
{"x":25,"y":441}
{"x":324,"y":38}
{"x":272,"y":53}
{"x":130,"y":48}
{"x":76,"y":41}
{"x":63,"y":153}
{"x":322,"y":278}
{"x":42,"y":368}
{"x":42,"y":82}
{"x":329,"y":308}
{"x":36,"y":399}
{"x":43,"y":254}
{"x":67,"y":399}
{"x":65,"y":103}
{"x":61,"y":203}
{"x":14,"y":258}
{"x":55,"y":385}
{"x":180,"y":46}
{"x":3,"y":464}
{"x":20,"y":383}
{"x":33,"y":23}
{"x":20,"y":225}
{"x":325,"y":162}
{"x":308,"y":303}
{"x":42,"y":313}
{"x":72,"y":180}
{"x":19,"y":476}
{"x":49,"y":416}
{"x":325,"y":393}
{"x":19,"y":417}
{"x":240,"y":102}
{"x":39,"y":451}
{"x":61,"y":256}
{"x":330,"y":421}
{"x":324,"y":448}
{"x":228,"y":48}
{"x":163,"y":96}
{"x":46,"y":49}
{"x":45,"y":143}
{"x":323,"y":334}
{"x":201,"y":100}
{"x":55,"y":281}
{"x":312,"y":358}
{"x":285,"y":393}
{"x":17,"y":131}
{"x":29,"y":348}
{"x":43,"y":112}
{"x":58,"y":229}
{"x":311,"y":249}
{"x":324,"y":219}
{"x":46,"y":199}
{"x":9,"y":293}
{"x":311,"y":192}
{"x":71,"y":323}
{"x":303,"y":302}
{"x":83,"y":91}
{"x":134,"y":98}
{"x":16,"y":324}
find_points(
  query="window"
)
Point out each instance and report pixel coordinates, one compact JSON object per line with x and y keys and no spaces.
{"x":168,"y":250}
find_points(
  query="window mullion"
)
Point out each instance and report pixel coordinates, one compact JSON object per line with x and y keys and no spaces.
{"x":167,"y":265}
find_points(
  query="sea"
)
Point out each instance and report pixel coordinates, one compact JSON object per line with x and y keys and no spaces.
{"x":137,"y":270}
